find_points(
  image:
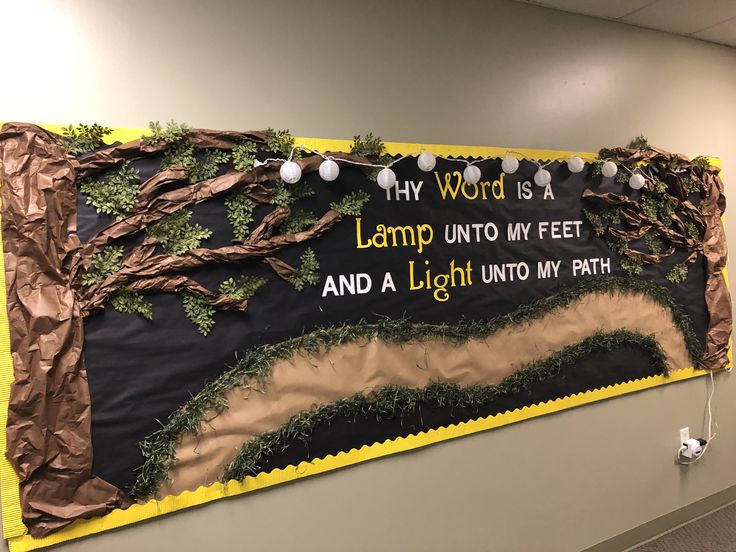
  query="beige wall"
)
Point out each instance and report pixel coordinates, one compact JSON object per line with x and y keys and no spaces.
{"x":492,"y":73}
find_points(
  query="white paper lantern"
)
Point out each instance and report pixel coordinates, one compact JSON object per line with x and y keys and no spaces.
{"x":609,"y":169}
{"x":575,"y":164}
{"x":637,"y":181}
{"x":471,"y":174}
{"x":426,"y":161}
{"x":329,"y":170}
{"x":510,"y":164}
{"x":386,"y":178}
{"x":290,"y":172}
{"x":542,"y":177}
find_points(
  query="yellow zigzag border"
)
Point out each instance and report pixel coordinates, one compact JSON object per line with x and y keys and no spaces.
{"x":15,"y":531}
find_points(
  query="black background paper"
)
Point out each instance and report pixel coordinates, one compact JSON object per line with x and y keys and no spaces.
{"x":141,"y":371}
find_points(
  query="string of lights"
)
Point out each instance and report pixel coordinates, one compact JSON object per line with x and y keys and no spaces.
{"x":329,"y":170}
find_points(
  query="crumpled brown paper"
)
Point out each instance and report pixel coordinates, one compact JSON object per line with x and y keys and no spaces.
{"x":49,"y":422}
{"x":714,"y":247}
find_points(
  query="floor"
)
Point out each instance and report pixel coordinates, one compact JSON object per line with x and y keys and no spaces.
{"x":715,"y":532}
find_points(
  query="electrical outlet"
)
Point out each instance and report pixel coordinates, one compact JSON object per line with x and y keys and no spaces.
{"x":684,"y":434}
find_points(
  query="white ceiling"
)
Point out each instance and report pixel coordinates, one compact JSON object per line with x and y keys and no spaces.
{"x":711,"y":20}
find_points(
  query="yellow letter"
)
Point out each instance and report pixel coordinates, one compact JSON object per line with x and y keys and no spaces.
{"x":360,"y":245}
{"x":380,"y":233}
{"x":421,"y":241}
{"x":411,"y":278}
{"x":440,"y":292}
{"x":448,"y":183}
{"x":498,"y":191}
{"x":465,"y":190}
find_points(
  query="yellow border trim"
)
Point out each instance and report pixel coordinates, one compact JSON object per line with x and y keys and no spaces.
{"x":15,"y":531}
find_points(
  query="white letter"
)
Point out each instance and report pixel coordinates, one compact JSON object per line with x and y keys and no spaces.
{"x":388,"y":282}
{"x":329,"y":287}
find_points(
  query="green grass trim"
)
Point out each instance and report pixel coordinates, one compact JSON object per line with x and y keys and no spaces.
{"x":255,"y":363}
{"x":392,"y":401}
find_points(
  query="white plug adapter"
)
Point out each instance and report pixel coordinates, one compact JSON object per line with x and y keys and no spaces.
{"x":691,"y":448}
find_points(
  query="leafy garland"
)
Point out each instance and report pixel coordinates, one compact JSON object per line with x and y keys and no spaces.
{"x":254,"y":365}
{"x":286,"y":194}
{"x":177,"y":235}
{"x":281,"y":142}
{"x":244,"y":156}
{"x":202,"y":314}
{"x":371,"y":146}
{"x":116,"y":193}
{"x":308,"y":272}
{"x":104,"y":264}
{"x":352,"y":204}
{"x":240,"y":214}
{"x":173,"y":132}
{"x":398,"y":401}
{"x":130,"y":302}
{"x":83,"y":138}
{"x":199,"y":311}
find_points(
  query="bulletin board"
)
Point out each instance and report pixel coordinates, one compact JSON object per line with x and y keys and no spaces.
{"x":194,"y":314}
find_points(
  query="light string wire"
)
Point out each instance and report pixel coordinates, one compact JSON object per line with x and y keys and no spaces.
{"x":413,"y":154}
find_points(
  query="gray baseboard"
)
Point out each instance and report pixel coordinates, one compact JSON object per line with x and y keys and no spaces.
{"x":665,"y":523}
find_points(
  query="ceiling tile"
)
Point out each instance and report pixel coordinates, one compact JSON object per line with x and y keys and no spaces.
{"x":683,"y":16}
{"x":611,"y":9}
{"x":725,"y":33}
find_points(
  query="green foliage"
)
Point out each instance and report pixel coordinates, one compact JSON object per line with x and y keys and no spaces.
{"x":180,"y":154}
{"x":611,"y":215}
{"x":597,"y":167}
{"x":240,"y":214}
{"x":115,"y":194}
{"x":701,"y":162}
{"x":299,"y":221}
{"x":617,"y":245}
{"x":209,"y":166}
{"x":286,"y":194}
{"x":308,"y":271}
{"x":254,"y":364}
{"x":280,"y":142}
{"x":677,"y":273}
{"x":649,"y":206}
{"x":660,"y":186}
{"x":172,"y":133}
{"x":244,"y":156}
{"x":397,"y":401}
{"x":596,"y":221}
{"x":622,"y":177}
{"x":639,"y":143}
{"x":370,"y":146}
{"x":130,"y":302}
{"x":242,"y":288}
{"x":653,"y":242}
{"x":176,"y":234}
{"x":83,"y":138}
{"x":352,"y":204}
{"x":631,"y":265}
{"x":105,"y":263}
{"x":667,"y":206}
{"x":692,"y":230}
{"x":199,"y":311}
{"x":690,"y":184}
